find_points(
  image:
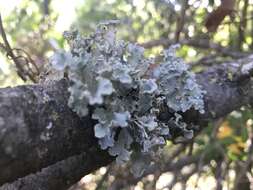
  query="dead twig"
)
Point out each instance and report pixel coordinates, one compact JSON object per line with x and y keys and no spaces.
{"x":26,"y":67}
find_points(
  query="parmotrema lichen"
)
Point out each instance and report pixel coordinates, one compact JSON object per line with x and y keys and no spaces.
{"x":114,"y":78}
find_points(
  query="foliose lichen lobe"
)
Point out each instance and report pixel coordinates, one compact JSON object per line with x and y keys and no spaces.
{"x":111,"y":76}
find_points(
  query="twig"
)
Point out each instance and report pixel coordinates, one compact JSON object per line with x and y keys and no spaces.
{"x":203,"y":154}
{"x":208,"y":60}
{"x":191,"y":145}
{"x":46,"y":7}
{"x":179,"y":177}
{"x":8,"y":50}
{"x":19,"y":60}
{"x":156,"y":178}
{"x":218,"y":174}
{"x":178,"y":151}
{"x":247,"y":162}
{"x":174,"y":180}
{"x":181,"y":20}
{"x":104,"y":177}
{"x":197,"y":43}
{"x":242,"y":25}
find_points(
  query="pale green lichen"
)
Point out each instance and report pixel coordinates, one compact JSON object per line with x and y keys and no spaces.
{"x":111,"y":75}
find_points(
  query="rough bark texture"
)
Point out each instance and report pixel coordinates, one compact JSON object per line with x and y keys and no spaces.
{"x":38,"y":129}
{"x":62,"y":174}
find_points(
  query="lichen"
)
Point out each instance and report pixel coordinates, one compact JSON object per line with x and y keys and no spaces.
{"x":111,"y":76}
{"x":47,"y":133}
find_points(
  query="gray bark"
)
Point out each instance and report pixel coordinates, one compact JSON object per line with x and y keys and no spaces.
{"x":63,"y":174}
{"x":38,"y":129}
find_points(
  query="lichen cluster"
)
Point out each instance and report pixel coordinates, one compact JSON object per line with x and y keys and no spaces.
{"x":112,"y":81}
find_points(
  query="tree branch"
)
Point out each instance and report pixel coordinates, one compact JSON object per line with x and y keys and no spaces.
{"x":38,"y":129}
{"x":197,"y":43}
{"x":63,"y":174}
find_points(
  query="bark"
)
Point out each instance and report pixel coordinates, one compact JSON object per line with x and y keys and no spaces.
{"x":63,"y":174}
{"x":38,"y":129}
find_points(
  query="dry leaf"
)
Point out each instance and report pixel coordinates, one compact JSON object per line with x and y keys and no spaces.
{"x":215,"y":18}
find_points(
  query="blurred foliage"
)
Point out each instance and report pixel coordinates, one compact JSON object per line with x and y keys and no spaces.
{"x":224,"y":144}
{"x":30,"y":28}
